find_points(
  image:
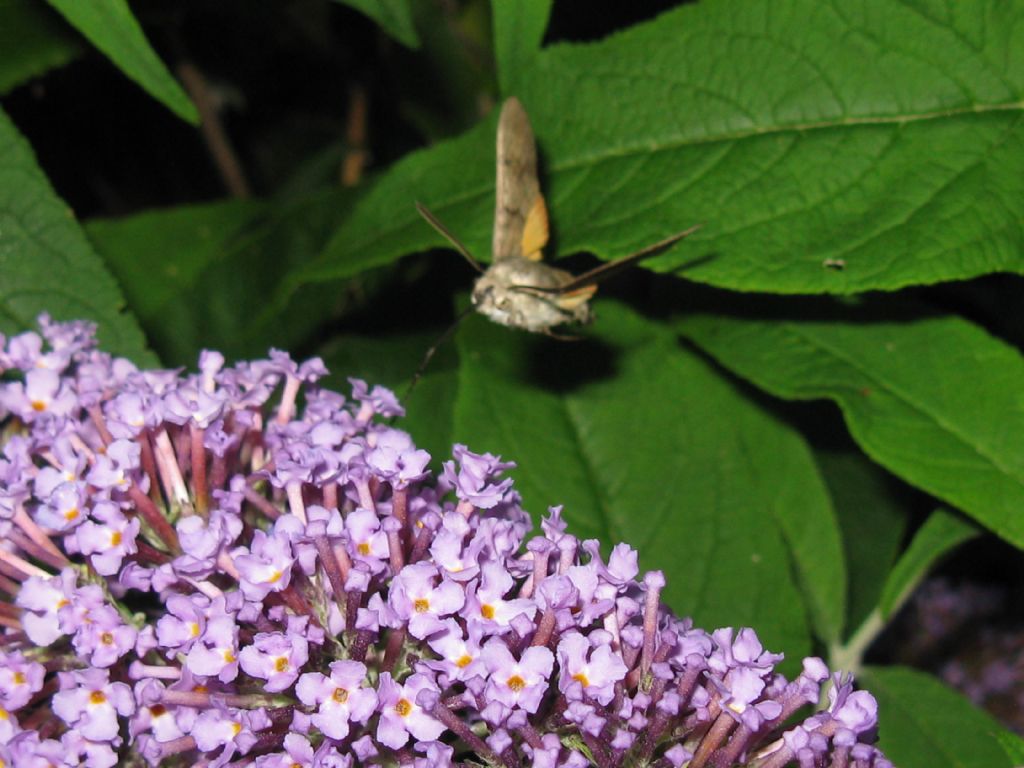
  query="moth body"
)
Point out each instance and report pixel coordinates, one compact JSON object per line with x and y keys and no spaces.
{"x":503,"y":294}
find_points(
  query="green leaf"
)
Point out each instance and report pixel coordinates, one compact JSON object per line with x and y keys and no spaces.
{"x":940,"y":534}
{"x":33,"y":40}
{"x":369,"y":238}
{"x":393,"y":16}
{"x":933,"y":399}
{"x":46,"y":262}
{"x":1014,"y":746}
{"x":826,"y":148}
{"x":188,"y":270}
{"x":870,"y":507}
{"x":644,"y":442}
{"x":164,"y":258}
{"x":923,"y":724}
{"x":110,"y":26}
{"x":518,"y":31}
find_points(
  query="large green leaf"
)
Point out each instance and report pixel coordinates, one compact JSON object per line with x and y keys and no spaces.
{"x":33,"y":39}
{"x":111,"y":27}
{"x":643,"y":442}
{"x":934,"y":399}
{"x":188,"y":271}
{"x":394,"y":17}
{"x":46,"y":263}
{"x":827,"y":148}
{"x":923,"y":724}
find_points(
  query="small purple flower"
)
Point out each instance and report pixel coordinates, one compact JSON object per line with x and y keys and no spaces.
{"x":461,"y":657}
{"x":102,"y":637}
{"x":517,"y":683}
{"x":400,"y":715}
{"x":590,"y":670}
{"x":486,"y":603}
{"x":275,"y":657}
{"x":43,"y":599}
{"x":19,"y":679}
{"x":415,"y":598}
{"x":233,"y":729}
{"x":64,"y":508}
{"x":216,"y":653}
{"x":339,"y":699}
{"x":472,"y":481}
{"x":115,"y":465}
{"x":298,"y":753}
{"x":90,"y":703}
{"x":367,"y":542}
{"x":265,"y":567}
{"x":396,"y":459}
{"x":109,"y":540}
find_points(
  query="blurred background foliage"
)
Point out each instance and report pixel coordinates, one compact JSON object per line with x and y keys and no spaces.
{"x":241,"y":175}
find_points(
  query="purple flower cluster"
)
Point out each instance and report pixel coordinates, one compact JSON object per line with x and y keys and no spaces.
{"x":195,"y":571}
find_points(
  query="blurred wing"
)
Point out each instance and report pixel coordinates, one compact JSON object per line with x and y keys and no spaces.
{"x":520,"y":216}
{"x":573,"y":299}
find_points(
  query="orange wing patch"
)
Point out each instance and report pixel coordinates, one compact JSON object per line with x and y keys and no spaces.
{"x":573,"y":299}
{"x":535,"y":231}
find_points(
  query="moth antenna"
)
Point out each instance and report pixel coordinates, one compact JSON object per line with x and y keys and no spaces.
{"x":433,"y":221}
{"x":599,"y":273}
{"x":432,"y":350}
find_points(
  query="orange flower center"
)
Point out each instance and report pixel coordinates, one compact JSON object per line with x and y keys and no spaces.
{"x":421,"y":606}
{"x":38,"y":405}
{"x":97,"y":697}
{"x":403,"y":707}
{"x":364,"y":548}
{"x":487,"y":611}
{"x":464,"y":662}
{"x":516,"y":683}
{"x":581,"y":679}
{"x":281,"y":664}
{"x":115,"y":538}
{"x":340,"y":695}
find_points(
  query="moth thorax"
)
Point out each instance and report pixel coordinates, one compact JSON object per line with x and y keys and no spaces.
{"x":502,"y":294}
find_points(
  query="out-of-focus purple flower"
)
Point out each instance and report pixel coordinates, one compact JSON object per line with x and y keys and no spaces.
{"x":91,"y":703}
{"x":275,"y":657}
{"x":109,"y":540}
{"x":265,"y":566}
{"x":19,"y":679}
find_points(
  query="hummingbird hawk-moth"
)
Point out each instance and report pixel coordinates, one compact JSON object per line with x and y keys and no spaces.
{"x":518,"y":289}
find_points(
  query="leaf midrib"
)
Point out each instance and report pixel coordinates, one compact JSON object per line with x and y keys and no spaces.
{"x":586,"y":161}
